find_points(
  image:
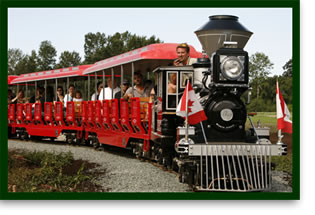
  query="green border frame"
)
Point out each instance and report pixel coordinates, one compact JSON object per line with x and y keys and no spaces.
{"x":294,"y":4}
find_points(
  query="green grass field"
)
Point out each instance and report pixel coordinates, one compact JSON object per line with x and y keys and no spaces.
{"x":267,"y":119}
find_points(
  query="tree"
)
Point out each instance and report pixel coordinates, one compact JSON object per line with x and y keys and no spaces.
{"x":19,"y":63}
{"x":32,"y":62}
{"x":94,"y":47}
{"x":46,"y":56}
{"x":21,"y":66}
{"x":14,"y":57}
{"x":287,"y":69}
{"x":98,"y":47}
{"x":68,"y":59}
{"x":259,"y":69}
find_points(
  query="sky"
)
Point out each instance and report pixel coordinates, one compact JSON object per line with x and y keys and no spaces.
{"x":66,"y":27}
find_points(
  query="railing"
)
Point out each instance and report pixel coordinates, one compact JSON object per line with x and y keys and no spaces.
{"x":11,"y":113}
{"x":20,"y":113}
{"x":48,"y":113}
{"x":38,"y":113}
{"x":131,"y":117}
{"x":59,"y":116}
{"x":233,"y":167}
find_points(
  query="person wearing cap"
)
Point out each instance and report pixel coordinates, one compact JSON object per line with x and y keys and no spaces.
{"x":183,"y":57}
{"x":124,"y":86}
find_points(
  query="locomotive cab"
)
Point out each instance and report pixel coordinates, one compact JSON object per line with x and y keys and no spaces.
{"x":170,"y":85}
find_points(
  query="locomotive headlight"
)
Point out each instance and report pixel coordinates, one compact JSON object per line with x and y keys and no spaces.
{"x":231,"y":68}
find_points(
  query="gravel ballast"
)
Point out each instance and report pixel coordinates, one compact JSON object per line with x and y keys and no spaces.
{"x":124,"y":173}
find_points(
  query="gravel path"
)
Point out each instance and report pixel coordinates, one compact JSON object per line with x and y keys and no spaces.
{"x":124,"y":173}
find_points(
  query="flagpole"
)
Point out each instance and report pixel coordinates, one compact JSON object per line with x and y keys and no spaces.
{"x":280,"y":136}
{"x":203,"y":132}
{"x":186,"y":121}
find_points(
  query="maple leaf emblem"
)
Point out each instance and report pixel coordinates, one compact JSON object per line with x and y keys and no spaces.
{"x":190,"y":104}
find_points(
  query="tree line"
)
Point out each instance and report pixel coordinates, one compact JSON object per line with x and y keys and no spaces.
{"x":99,"y":46}
{"x":263,"y":97}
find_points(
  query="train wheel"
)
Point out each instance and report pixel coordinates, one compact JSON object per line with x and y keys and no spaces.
{"x":87,"y":143}
{"x":69,"y":139}
{"x":174,"y":166}
{"x":96,"y":144}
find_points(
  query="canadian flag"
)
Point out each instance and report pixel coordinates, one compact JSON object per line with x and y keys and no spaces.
{"x":283,"y":113}
{"x":196,"y":113}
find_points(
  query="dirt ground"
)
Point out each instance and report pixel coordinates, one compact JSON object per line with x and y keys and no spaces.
{"x":287,"y":139}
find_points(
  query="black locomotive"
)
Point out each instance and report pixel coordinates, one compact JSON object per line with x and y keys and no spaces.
{"x":231,"y":159}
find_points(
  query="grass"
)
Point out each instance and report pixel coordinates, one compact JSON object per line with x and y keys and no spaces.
{"x":48,"y":172}
{"x":284,"y":163}
{"x":267,"y":119}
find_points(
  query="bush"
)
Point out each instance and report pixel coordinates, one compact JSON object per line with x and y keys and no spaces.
{"x":43,"y":172}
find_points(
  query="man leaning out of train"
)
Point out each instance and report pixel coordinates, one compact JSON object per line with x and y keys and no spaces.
{"x":183,"y":57}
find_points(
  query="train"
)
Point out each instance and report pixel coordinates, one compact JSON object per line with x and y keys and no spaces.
{"x":229,"y":157}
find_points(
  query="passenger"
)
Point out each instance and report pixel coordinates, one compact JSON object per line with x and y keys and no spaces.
{"x":183,"y":59}
{"x":139,"y":89}
{"x":171,"y":87}
{"x":20,"y":98}
{"x":108,"y":90}
{"x":124,"y":87}
{"x":152,"y":94}
{"x":78,"y":96}
{"x":39,"y":98}
{"x":97,"y":93}
{"x":60,"y":96}
{"x":38,"y":94}
{"x":10,"y":96}
{"x":69,"y":97}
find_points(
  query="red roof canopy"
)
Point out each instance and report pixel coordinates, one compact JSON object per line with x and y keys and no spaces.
{"x":11,"y":78}
{"x":162,"y":51}
{"x":51,"y":74}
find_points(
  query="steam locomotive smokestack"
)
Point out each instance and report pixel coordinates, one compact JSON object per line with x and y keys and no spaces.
{"x":221,"y":28}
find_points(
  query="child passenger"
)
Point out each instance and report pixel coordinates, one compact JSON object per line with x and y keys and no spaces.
{"x":78,"y":96}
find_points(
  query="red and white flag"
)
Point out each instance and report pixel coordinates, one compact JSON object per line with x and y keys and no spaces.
{"x":196,"y":113}
{"x":283,"y":113}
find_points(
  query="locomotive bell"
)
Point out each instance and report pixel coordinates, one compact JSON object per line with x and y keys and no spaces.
{"x":219,"y":29}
